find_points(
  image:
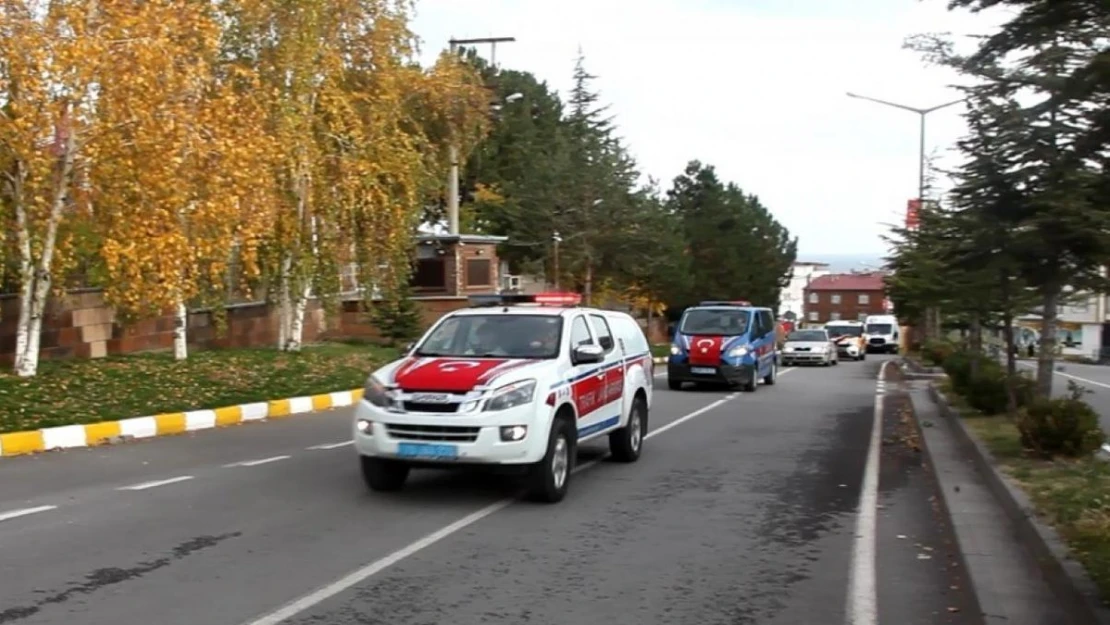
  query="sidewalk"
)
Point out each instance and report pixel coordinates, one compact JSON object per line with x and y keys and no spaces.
{"x":1010,"y":583}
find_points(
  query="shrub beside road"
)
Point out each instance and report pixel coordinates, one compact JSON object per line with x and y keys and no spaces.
{"x":88,"y":391}
{"x":1049,"y":450}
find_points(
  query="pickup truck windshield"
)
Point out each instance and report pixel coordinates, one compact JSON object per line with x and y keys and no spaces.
{"x":495,"y":336}
{"x":835,"y":331}
{"x":715,"y":322}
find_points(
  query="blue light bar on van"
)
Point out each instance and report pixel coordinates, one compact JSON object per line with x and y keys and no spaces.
{"x":510,"y":299}
{"x":723,"y":303}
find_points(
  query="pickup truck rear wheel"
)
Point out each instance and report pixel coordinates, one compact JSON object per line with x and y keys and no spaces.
{"x":626,"y":443}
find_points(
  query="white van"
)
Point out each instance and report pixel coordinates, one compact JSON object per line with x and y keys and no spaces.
{"x":882,"y":334}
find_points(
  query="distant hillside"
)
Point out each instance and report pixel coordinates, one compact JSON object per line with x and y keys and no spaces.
{"x":843,"y":263}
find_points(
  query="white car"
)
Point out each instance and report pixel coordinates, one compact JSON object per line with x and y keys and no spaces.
{"x":513,"y":382}
{"x":809,"y":347}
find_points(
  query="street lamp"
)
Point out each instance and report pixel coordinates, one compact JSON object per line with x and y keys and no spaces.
{"x":453,"y":153}
{"x":922,"y":112}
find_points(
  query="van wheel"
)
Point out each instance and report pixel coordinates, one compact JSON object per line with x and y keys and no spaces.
{"x":383,"y":475}
{"x":769,"y":380}
{"x":674,"y":385}
{"x":548,"y":478}
{"x":626,"y":443}
{"x":753,"y":381}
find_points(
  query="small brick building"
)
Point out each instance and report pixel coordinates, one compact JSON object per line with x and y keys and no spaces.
{"x":844,"y":296}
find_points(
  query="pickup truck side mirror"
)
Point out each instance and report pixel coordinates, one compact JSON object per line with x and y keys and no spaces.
{"x":587,"y":354}
{"x":409,"y":348}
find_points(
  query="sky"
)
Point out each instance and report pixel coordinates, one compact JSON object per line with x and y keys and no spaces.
{"x":756,"y":88}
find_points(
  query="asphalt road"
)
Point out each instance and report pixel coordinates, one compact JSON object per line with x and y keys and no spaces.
{"x":743,"y":509}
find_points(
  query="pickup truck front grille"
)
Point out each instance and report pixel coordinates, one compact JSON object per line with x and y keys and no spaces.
{"x":434,"y":433}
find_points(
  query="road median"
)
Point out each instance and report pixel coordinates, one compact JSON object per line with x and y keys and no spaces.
{"x":73,"y":404}
{"x":1059,"y":507}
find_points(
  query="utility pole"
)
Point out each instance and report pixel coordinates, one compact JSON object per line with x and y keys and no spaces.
{"x":453,"y":150}
{"x":932,"y":316}
{"x":921,"y":112}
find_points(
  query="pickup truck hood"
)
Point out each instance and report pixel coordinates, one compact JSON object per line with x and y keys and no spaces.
{"x":457,"y":375}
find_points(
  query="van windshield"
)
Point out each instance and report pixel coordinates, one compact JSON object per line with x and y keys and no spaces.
{"x":844,"y":330}
{"x":878,"y":328}
{"x":715,"y":322}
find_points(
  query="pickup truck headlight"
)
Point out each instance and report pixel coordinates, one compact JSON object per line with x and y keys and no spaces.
{"x":376,"y":393}
{"x":738,"y":352}
{"x":512,"y":395}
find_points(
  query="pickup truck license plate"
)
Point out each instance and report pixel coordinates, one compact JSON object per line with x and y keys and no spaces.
{"x":427,"y":451}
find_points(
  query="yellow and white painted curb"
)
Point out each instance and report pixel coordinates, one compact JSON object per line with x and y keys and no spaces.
{"x":106,"y":432}
{"x":660,"y":360}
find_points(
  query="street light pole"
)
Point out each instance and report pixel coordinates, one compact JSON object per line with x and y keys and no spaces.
{"x":453,"y":150}
{"x":921,"y":112}
{"x":932,"y":315}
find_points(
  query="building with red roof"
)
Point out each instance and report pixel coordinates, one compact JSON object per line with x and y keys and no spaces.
{"x":845,"y":296}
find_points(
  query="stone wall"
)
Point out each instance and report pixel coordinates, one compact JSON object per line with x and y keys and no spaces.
{"x":81,"y":325}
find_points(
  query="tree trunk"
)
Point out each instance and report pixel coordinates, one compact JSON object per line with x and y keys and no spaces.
{"x":975,"y":343}
{"x":180,"y":329}
{"x":589,"y":286}
{"x":35,"y":276}
{"x":294,"y":340}
{"x":1008,"y":338}
{"x":1047,"y":356}
{"x":285,"y":303}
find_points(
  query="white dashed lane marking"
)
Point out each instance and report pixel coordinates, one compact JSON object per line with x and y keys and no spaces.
{"x":156,"y":483}
{"x":15,"y":514}
{"x":331,"y":445}
{"x":255,"y":463}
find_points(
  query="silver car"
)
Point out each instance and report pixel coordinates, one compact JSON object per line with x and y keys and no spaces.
{"x":809,"y":347}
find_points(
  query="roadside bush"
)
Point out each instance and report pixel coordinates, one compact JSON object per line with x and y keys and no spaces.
{"x":937,"y":352}
{"x":1065,"y":426}
{"x":986,"y":391}
{"x":957,"y":364}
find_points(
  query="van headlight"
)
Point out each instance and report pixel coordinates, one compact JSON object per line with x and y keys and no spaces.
{"x":376,"y":393}
{"x":675,"y":350}
{"x":738,"y":352}
{"x":512,"y":395}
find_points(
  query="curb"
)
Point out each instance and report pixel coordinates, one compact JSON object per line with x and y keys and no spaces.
{"x":109,"y":432}
{"x":1065,"y":576}
{"x":660,"y":360}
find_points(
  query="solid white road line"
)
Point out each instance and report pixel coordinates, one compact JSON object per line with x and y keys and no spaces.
{"x":255,"y":463}
{"x":359,"y":575}
{"x":1068,"y":375}
{"x":331,"y":446}
{"x":155,"y":484}
{"x":15,"y":514}
{"x":862,"y":589}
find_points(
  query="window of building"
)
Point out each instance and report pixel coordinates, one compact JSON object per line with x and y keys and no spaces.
{"x":478,"y":272}
{"x":813,"y":298}
{"x":813,"y":315}
{"x":864,"y":298}
{"x":834,"y":316}
{"x":835,"y":299}
{"x":430,"y":273}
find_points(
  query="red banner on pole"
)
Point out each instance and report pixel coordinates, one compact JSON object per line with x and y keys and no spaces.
{"x":913,"y":214}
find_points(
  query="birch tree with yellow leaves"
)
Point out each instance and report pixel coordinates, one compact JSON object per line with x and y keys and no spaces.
{"x":344,"y":96}
{"x":184,"y":180}
{"x":51,"y":56}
